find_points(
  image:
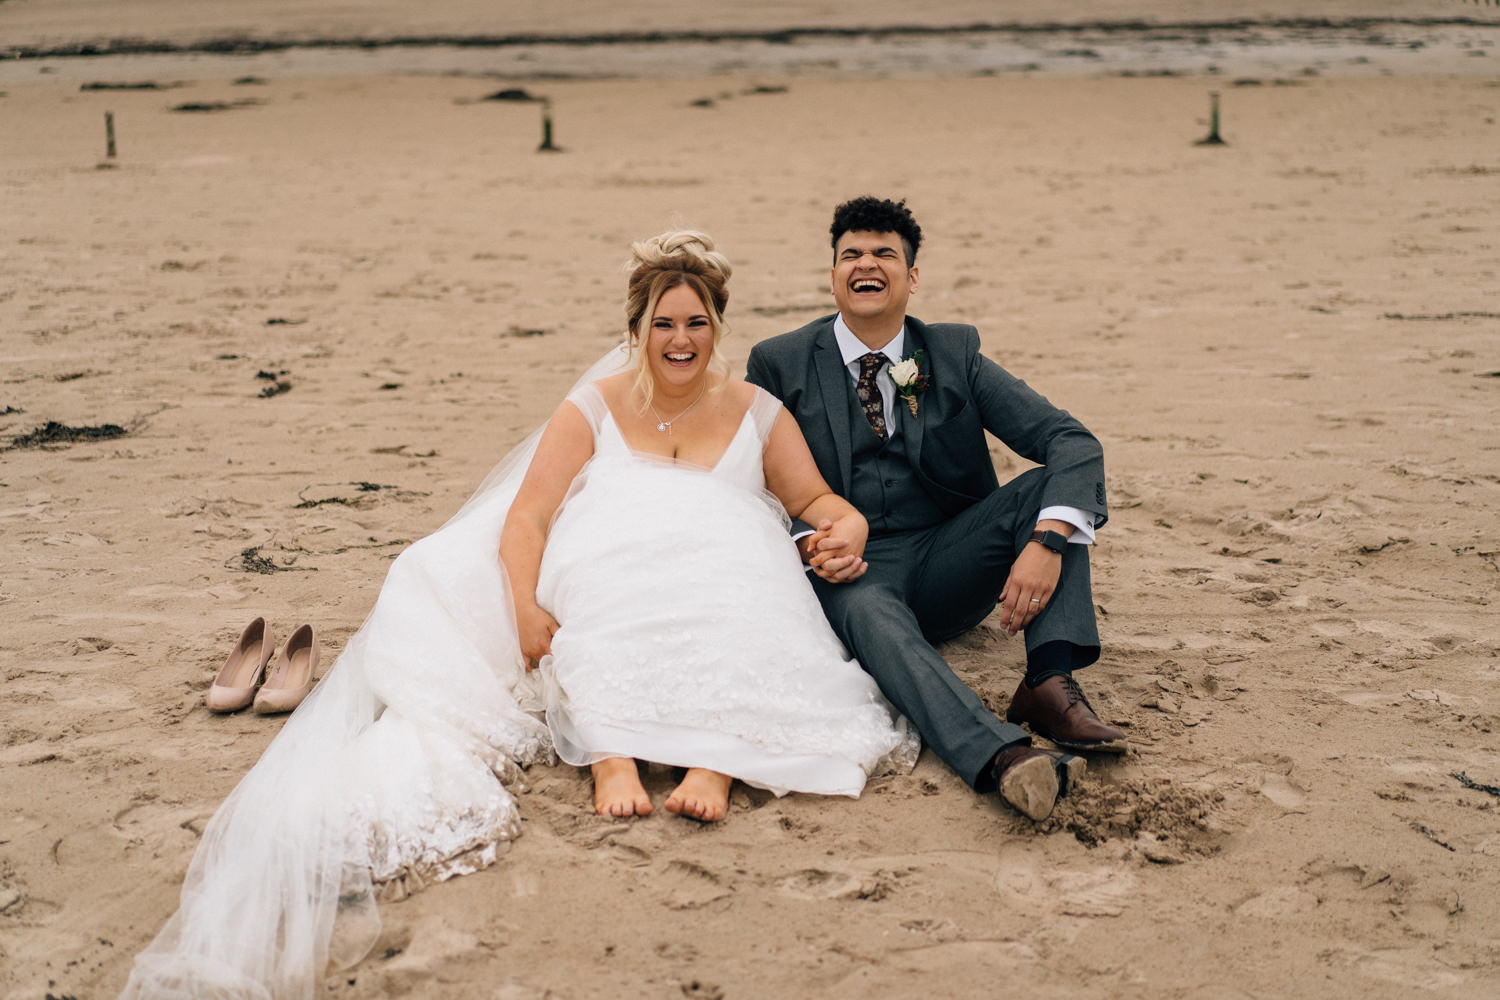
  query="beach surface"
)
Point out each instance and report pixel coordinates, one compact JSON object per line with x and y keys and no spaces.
{"x":275,"y":339}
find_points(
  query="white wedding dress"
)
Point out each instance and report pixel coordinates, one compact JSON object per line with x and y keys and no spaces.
{"x":689,"y":633}
{"x":688,"y":636}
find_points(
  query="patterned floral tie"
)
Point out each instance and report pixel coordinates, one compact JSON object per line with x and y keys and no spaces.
{"x":869,"y":393}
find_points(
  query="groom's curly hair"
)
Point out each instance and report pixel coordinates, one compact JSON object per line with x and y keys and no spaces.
{"x":878,"y":215}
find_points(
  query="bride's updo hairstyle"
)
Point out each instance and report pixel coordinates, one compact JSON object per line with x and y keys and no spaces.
{"x":660,"y":264}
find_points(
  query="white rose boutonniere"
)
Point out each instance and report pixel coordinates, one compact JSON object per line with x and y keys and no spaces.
{"x":909,"y":378}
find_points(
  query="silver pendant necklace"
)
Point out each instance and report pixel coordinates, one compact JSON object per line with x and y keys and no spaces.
{"x":665,"y":426}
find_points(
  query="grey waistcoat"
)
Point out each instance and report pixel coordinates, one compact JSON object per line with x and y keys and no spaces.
{"x":883,"y":487}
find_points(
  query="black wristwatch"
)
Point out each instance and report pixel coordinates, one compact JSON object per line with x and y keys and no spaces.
{"x":1050,"y":539}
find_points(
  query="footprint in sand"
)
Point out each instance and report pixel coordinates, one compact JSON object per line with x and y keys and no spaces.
{"x":1278,"y":903}
{"x":1001,"y":958}
{"x":407,"y":957}
{"x":160,"y":832}
{"x":1411,"y":967}
{"x":936,"y":931}
{"x":1280,"y":790}
{"x":690,"y":886}
{"x":1333,"y":627}
{"x":817,"y":883}
{"x":92,"y":848}
{"x":1096,"y":892}
{"x":86,"y":644}
{"x":629,"y":855}
{"x":1369,"y":699}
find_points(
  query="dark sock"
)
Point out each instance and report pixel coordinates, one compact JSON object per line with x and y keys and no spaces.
{"x":1050,"y":659}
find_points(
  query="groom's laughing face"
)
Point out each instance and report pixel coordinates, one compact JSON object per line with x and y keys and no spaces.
{"x":870,"y":278}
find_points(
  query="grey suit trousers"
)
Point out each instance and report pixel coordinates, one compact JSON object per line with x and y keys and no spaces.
{"x":932,"y":584}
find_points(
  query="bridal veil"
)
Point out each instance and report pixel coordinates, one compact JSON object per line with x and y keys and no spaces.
{"x":391,"y":774}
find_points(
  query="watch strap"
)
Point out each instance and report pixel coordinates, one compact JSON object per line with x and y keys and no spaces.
{"x":1050,"y":539}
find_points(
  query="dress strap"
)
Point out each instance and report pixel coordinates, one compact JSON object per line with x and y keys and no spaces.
{"x":763,"y":413}
{"x":590,"y":402}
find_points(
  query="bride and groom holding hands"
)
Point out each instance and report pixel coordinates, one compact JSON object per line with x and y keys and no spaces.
{"x":661,"y":613}
{"x":873,"y":436}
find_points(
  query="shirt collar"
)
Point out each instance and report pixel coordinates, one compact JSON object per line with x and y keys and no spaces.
{"x":852,"y":349}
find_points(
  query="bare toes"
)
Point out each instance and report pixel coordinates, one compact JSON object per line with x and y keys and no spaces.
{"x":703,"y":795}
{"x":617,"y":789}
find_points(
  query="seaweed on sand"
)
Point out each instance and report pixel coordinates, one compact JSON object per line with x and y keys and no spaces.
{"x":53,"y":434}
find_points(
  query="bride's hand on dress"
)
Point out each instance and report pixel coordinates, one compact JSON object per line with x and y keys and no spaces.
{"x":535,"y":628}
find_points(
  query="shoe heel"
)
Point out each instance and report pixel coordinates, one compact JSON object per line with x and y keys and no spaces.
{"x":1070,"y":770}
{"x":242,"y":673}
{"x":1031,"y":786}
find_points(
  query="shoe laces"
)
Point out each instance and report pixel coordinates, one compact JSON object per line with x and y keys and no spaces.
{"x":1075,"y":693}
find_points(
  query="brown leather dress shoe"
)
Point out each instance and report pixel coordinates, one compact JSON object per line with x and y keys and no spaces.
{"x":1057,"y":709}
{"x":1032,"y":779}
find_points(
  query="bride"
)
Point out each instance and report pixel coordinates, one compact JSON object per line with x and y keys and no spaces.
{"x":689,"y":638}
{"x":660,"y":614}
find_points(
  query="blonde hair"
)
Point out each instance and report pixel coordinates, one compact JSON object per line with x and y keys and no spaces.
{"x":660,"y":264}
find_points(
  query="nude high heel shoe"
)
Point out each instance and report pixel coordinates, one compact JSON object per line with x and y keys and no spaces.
{"x":241,"y":674}
{"x":292,"y":677}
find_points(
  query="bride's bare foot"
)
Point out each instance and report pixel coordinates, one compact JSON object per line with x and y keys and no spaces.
{"x":703,"y":795}
{"x":618,"y":790}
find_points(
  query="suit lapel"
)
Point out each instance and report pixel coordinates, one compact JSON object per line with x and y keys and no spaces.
{"x":833,"y":389}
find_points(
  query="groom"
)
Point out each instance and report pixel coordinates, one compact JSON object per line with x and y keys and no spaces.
{"x":906,"y":444}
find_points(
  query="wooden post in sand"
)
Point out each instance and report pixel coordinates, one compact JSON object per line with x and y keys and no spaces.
{"x":109,"y":135}
{"x":1213,"y":138}
{"x":547,"y":146}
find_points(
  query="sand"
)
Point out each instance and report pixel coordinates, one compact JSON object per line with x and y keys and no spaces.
{"x":316,"y":317}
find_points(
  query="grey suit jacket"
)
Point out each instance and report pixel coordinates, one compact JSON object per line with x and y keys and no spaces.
{"x":968,"y":394}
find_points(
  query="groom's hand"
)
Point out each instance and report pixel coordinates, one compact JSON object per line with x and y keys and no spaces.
{"x":1032,"y":581}
{"x":834,"y":558}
